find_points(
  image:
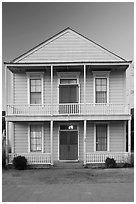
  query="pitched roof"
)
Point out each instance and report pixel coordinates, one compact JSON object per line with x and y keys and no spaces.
{"x":68,"y":46}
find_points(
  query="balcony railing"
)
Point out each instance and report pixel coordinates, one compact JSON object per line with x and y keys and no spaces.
{"x":68,"y":109}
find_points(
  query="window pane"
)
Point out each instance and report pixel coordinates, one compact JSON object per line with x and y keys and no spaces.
{"x":68,"y":81}
{"x":101,"y":97}
{"x":35,"y":98}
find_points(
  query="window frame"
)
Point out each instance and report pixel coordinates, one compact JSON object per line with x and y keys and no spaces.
{"x":108,"y":136}
{"x":29,"y":138}
{"x":34,"y":75}
{"x":101,"y":75}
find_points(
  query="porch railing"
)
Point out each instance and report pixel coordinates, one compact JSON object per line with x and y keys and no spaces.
{"x":39,"y":158}
{"x":95,"y":157}
{"x":68,"y":109}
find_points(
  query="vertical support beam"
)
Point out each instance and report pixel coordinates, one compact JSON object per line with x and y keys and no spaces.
{"x":129,"y":135}
{"x":7,"y":131}
{"x":51,"y":89}
{"x":12,"y":137}
{"x":84,"y":142}
{"x":51,"y":136}
{"x":85,"y":89}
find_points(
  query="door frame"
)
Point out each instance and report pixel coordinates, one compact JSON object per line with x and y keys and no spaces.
{"x":68,"y":123}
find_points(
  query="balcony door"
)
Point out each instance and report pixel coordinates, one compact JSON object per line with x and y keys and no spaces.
{"x":68,"y":96}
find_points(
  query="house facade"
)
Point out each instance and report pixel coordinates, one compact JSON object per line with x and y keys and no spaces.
{"x":68,"y":103}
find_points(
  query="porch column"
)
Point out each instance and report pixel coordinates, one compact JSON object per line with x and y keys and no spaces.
{"x":51,"y":136}
{"x":7,"y":139}
{"x":51,"y":89}
{"x":84,"y":88}
{"x":84,"y":142}
{"x":129,"y":135}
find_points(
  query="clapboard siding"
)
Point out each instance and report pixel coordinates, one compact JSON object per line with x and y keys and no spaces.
{"x":20,"y":88}
{"x":117,"y":136}
{"x":69,"y":47}
{"x":90,"y":137}
{"x":47,"y":88}
{"x":47,"y":142}
{"x":21,"y":137}
{"x":116,"y":87}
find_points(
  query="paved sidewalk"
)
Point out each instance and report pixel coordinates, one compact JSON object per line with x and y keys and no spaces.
{"x":63,"y":186}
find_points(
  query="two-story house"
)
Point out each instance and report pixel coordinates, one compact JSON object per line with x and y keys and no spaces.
{"x":68,"y":102}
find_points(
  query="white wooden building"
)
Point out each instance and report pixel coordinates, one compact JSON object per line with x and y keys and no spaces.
{"x":68,"y":102}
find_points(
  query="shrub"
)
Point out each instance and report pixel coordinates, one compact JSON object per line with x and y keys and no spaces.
{"x":20,"y":162}
{"x":132,"y":159}
{"x":110,"y":163}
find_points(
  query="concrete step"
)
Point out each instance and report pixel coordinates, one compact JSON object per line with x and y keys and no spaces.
{"x":68,"y":165}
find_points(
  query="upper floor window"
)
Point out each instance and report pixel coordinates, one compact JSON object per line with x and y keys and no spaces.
{"x":35,"y":91}
{"x":35,"y":87}
{"x":101,"y":90}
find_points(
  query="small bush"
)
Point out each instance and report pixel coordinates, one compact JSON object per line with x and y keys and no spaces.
{"x":110,"y":163}
{"x":20,"y":162}
{"x":132,"y":160}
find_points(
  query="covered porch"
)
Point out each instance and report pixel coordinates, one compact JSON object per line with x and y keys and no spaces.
{"x":73,"y":142}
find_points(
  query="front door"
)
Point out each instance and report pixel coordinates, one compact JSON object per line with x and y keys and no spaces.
{"x":68,"y":145}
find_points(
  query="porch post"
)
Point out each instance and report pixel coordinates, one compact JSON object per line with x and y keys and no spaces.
{"x":7,"y":138}
{"x":12,"y":137}
{"x":51,"y":89}
{"x":51,"y":136}
{"x":129,"y":135}
{"x":84,"y":88}
{"x":84,"y":142}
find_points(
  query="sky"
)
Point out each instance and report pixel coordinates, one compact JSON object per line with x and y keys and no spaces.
{"x":26,"y":24}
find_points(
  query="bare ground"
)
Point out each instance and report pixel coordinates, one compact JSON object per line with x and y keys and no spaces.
{"x":68,"y":185}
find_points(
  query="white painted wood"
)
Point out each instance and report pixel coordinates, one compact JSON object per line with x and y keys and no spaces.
{"x":129,"y":136}
{"x":85,"y":89}
{"x":100,"y":157}
{"x":84,"y":142}
{"x":51,"y":135}
{"x":33,"y":158}
{"x":68,"y":46}
{"x":69,"y":109}
{"x":7,"y":139}
{"x":51,"y":88}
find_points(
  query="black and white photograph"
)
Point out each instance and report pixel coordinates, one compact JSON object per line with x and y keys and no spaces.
{"x":67,"y":101}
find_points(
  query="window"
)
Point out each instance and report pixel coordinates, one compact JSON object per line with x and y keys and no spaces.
{"x":101,"y":90}
{"x":35,"y":91}
{"x":35,"y":138}
{"x":68,"y":81}
{"x":101,"y":137}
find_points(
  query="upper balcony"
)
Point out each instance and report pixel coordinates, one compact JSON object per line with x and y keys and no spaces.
{"x":68,"y":109}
